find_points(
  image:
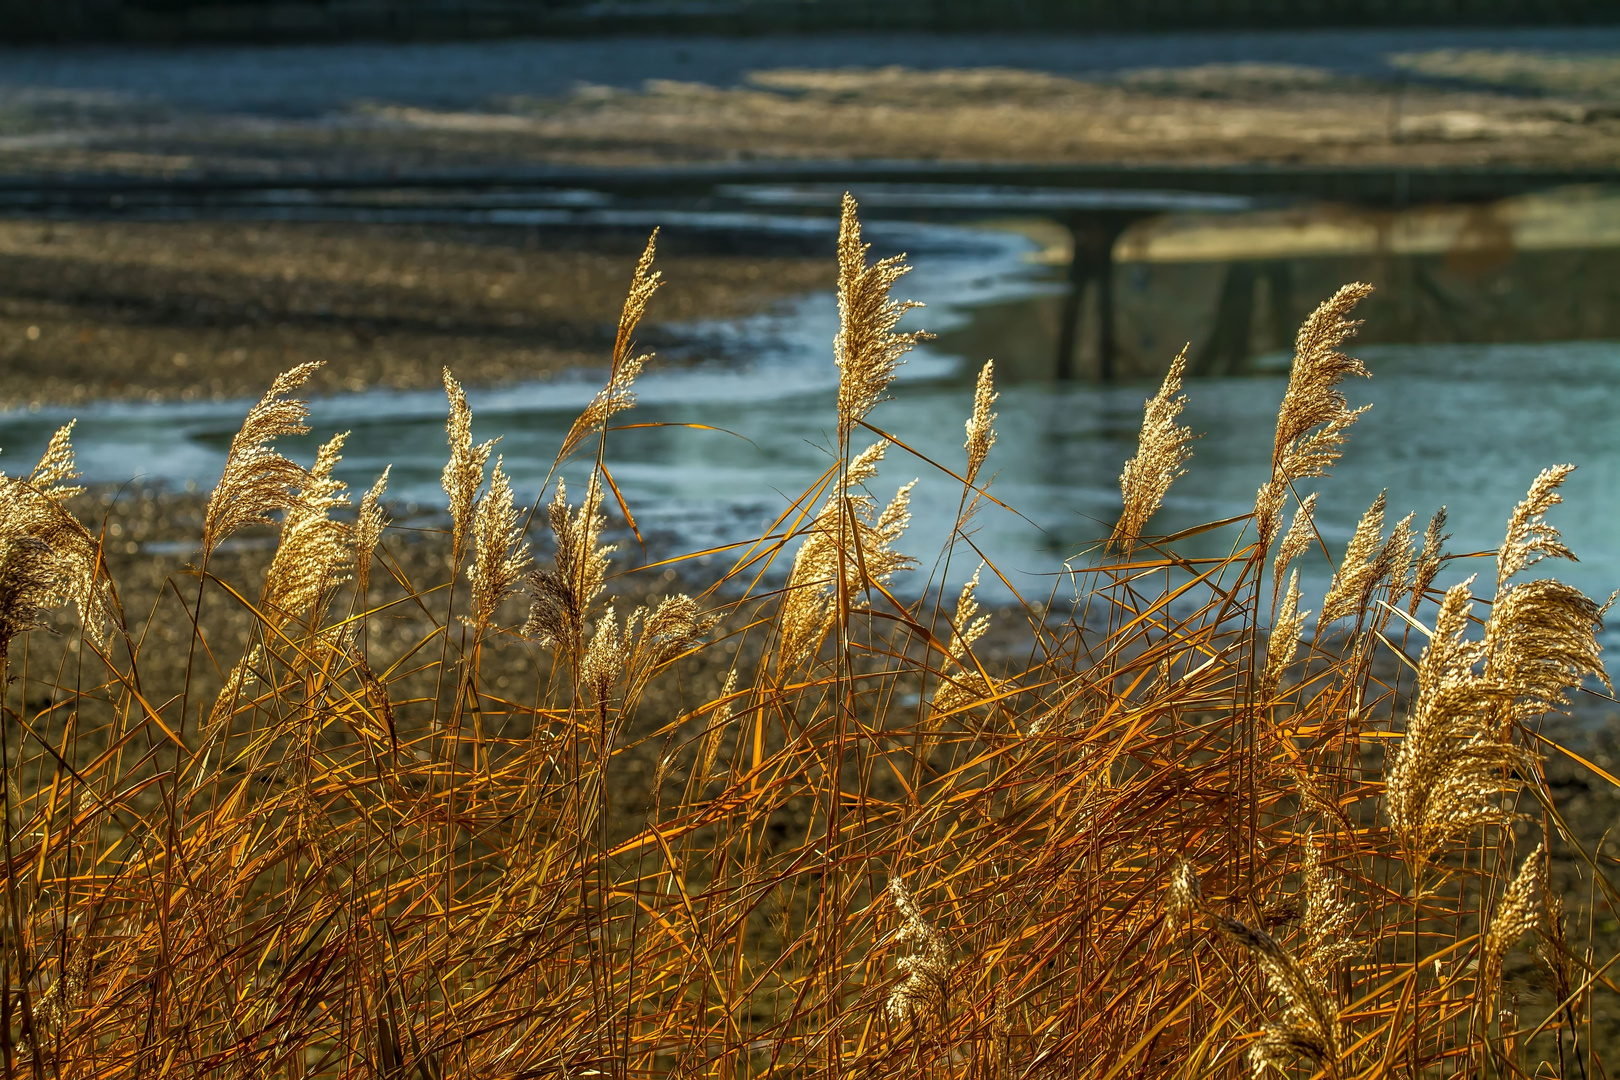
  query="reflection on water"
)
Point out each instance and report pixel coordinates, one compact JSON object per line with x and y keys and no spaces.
{"x":1467,"y":426}
{"x":1535,"y":268}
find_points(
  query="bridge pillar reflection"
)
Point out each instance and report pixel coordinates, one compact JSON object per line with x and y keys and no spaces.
{"x":1091,"y":265}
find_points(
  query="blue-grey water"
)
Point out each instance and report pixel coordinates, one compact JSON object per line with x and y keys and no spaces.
{"x":320,"y":80}
{"x":1466,"y":427}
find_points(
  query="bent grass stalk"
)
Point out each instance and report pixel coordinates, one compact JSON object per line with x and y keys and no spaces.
{"x":802,"y":824}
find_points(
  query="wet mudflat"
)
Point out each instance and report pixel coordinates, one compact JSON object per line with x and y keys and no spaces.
{"x":1411,"y":98}
{"x":189,"y":311}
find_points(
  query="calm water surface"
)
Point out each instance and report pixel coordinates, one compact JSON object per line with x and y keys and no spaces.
{"x":1461,"y":426}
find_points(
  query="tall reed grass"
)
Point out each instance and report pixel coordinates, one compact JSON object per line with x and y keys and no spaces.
{"x":1195,"y":833}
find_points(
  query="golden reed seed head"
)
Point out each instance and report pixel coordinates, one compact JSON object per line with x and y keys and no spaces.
{"x":1312,"y":398}
{"x":1541,"y":638}
{"x":924,"y":992}
{"x":241,"y":678}
{"x":1520,"y":911}
{"x":867,"y":349}
{"x":1283,"y":644}
{"x":719,"y":721}
{"x":643,"y":283}
{"x":257,"y":480}
{"x":464,"y":472}
{"x":968,"y":626}
{"x":1450,"y":769}
{"x":1540,"y":641}
{"x":670,"y":629}
{"x":1394,"y":563}
{"x":966,"y":686}
{"x":501,"y":556}
{"x":1182,"y":897}
{"x":1161,"y":451}
{"x":1314,"y":415}
{"x":1309,"y":1025}
{"x":1430,"y":559}
{"x":1357,"y":571}
{"x":28,"y":583}
{"x":56,"y":559}
{"x":304,"y":571}
{"x":1328,"y":928}
{"x":56,"y":466}
{"x":369,"y":523}
{"x":618,"y":394}
{"x":1530,"y":538}
{"x":561,"y":595}
{"x":604,"y":658}
{"x":807,"y":611}
{"x":1297,"y":540}
{"x":667,"y":631}
{"x":981,"y":435}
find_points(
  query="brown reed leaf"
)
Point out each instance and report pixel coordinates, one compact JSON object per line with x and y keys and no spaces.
{"x":257,"y":480}
{"x":464,"y":472}
{"x":509,"y":898}
{"x":501,"y":555}
{"x":981,"y":433}
{"x":1161,"y":451}
{"x":375,"y":689}
{"x":867,"y":349}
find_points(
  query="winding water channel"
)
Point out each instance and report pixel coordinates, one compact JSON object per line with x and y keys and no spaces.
{"x":1466,"y":426}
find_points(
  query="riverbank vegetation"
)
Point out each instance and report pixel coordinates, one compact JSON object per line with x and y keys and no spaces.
{"x":512,"y":811}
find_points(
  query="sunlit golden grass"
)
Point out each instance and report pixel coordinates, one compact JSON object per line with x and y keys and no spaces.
{"x":1198,"y":833}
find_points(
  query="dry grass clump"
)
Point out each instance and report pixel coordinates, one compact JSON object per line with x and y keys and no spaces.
{"x":1183,"y":838}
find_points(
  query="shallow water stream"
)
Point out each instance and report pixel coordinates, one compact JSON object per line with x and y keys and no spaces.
{"x":1463,"y":426}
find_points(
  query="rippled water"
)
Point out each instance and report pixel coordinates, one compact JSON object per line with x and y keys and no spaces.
{"x":1464,"y":426}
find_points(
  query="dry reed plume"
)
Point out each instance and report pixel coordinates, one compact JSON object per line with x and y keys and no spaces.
{"x":1184,"y":838}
